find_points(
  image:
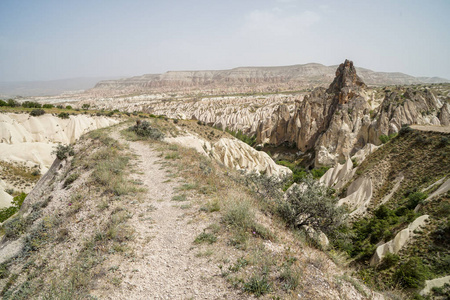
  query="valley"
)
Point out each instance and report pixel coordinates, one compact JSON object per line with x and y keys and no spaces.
{"x":287,"y":182}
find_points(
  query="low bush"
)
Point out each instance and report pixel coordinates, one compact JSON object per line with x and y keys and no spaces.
{"x":63,"y":115}
{"x":258,"y":285}
{"x":143,"y":129}
{"x":63,"y":151}
{"x":386,"y":138}
{"x":70,"y":179}
{"x":317,"y":173}
{"x":47,"y":106}
{"x":310,"y":203}
{"x":205,"y":237}
{"x":250,"y":140}
{"x":37,"y":112}
{"x":412,"y":273}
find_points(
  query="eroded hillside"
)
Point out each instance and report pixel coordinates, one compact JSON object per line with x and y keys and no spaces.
{"x":142,"y":218}
{"x":399,"y":204}
{"x":27,"y":144}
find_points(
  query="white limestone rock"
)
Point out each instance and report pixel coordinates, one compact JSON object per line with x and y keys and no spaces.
{"x":399,"y":241}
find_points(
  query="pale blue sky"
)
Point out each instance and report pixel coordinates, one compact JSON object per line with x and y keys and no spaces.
{"x":46,"y":39}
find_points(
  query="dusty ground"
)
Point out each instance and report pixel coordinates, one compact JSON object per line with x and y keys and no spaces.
{"x":164,"y":265}
{"x":445,"y":129}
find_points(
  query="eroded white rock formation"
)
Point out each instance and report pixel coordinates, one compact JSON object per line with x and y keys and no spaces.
{"x":437,"y":282}
{"x":238,"y":155}
{"x":31,"y":140}
{"x":400,"y":240}
{"x":234,"y":154}
{"x":359,"y":194}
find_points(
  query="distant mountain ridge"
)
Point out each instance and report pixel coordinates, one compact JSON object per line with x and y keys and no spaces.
{"x":48,"y":87}
{"x":307,"y":75}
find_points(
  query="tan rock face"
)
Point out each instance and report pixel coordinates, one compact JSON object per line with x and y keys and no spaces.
{"x":341,"y":120}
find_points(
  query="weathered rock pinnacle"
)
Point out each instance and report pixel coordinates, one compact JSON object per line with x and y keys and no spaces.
{"x":346,"y":82}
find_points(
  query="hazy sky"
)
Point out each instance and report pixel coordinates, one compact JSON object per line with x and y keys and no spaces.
{"x":44,"y":40}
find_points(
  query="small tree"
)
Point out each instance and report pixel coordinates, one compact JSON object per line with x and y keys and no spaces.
{"x":13,"y":103}
{"x":310,"y":203}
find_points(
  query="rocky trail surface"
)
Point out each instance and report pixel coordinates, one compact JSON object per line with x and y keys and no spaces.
{"x":165,"y":265}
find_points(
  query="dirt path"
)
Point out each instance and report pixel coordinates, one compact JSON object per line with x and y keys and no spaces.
{"x":445,"y":129}
{"x":165,"y":265}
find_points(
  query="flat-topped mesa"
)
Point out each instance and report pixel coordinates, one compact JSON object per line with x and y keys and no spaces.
{"x":347,"y":83}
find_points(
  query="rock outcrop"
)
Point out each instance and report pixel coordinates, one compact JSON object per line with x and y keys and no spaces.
{"x":5,"y":198}
{"x":24,"y":138}
{"x":339,"y":121}
{"x":238,"y":155}
{"x":31,"y":140}
{"x":234,"y":154}
{"x":359,"y":194}
{"x":437,"y":282}
{"x":400,"y":240}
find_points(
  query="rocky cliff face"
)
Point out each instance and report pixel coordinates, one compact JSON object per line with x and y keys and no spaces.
{"x":246,"y":79}
{"x":338,"y":121}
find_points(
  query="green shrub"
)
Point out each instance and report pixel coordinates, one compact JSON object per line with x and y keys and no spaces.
{"x":289,"y":278}
{"x":205,"y":238}
{"x":143,"y":129}
{"x":47,"y":106}
{"x":250,"y":140}
{"x":309,"y":203}
{"x":63,"y":151}
{"x":415,"y":198}
{"x":16,"y":204}
{"x":238,"y":214}
{"x":412,"y":273}
{"x":31,"y":104}
{"x":317,"y":173}
{"x":37,"y":112}
{"x":85,"y":106}
{"x":70,"y":179}
{"x":258,"y":285}
{"x":68,"y":107}
{"x":3,"y":103}
{"x":14,"y":227}
{"x":13,"y":103}
{"x":389,"y":260}
{"x":405,"y":129}
{"x":63,"y":115}
{"x":386,"y":138}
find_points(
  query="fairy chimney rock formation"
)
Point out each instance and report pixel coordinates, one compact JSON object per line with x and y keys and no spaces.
{"x":346,"y":82}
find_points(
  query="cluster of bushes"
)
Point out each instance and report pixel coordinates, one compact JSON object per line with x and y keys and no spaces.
{"x":308,"y":203}
{"x":143,"y":129}
{"x":63,"y":151}
{"x":32,"y":104}
{"x":250,"y":140}
{"x":10,"y":103}
{"x":386,"y":138}
{"x":63,"y":115}
{"x":299,"y":173}
{"x":364,"y":234}
{"x":37,"y":112}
